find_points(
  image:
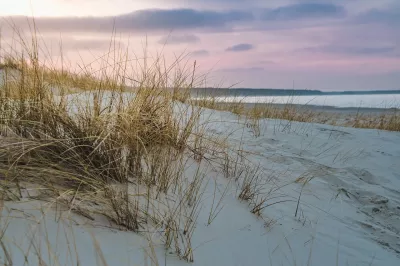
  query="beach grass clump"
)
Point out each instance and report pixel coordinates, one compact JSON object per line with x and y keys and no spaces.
{"x":389,"y":120}
{"x":118,"y":145}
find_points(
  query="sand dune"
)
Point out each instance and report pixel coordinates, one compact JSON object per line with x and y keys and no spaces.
{"x":344,"y":183}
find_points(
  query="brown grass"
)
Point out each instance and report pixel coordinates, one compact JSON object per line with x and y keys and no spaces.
{"x":124,"y":152}
{"x":388,"y":120}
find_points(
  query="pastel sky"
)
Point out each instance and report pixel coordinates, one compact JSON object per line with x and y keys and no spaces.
{"x":325,"y":44}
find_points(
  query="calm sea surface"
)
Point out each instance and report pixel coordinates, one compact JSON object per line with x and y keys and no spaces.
{"x":364,"y":101}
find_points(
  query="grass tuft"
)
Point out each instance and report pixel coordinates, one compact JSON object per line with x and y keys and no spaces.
{"x":103,"y":142}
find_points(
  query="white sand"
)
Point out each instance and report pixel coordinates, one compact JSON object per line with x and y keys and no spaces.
{"x":349,"y":213}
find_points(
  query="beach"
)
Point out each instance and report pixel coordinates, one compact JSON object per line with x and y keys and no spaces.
{"x":329,"y":197}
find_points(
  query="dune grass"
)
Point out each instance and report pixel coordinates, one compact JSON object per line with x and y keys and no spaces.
{"x":125,"y":152}
{"x":387,"y":120}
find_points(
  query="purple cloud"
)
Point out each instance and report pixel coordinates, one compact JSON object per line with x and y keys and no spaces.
{"x":200,"y":53}
{"x":304,"y":11}
{"x":385,"y":16}
{"x":242,"y":47}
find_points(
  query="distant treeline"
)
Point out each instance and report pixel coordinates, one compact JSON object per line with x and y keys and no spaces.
{"x":280,"y":92}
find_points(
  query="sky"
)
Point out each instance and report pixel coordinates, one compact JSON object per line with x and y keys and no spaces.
{"x":320,"y":44}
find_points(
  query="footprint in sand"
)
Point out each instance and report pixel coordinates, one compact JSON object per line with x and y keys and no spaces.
{"x":364,"y":175}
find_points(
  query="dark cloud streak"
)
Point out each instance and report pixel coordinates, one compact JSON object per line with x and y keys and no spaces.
{"x":140,"y":21}
{"x":200,"y":53}
{"x":384,"y":16}
{"x":242,"y":47}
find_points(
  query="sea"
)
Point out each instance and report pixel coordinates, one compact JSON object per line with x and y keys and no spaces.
{"x":384,"y":101}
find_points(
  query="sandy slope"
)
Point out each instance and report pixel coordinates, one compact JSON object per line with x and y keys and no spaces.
{"x":349,"y":211}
